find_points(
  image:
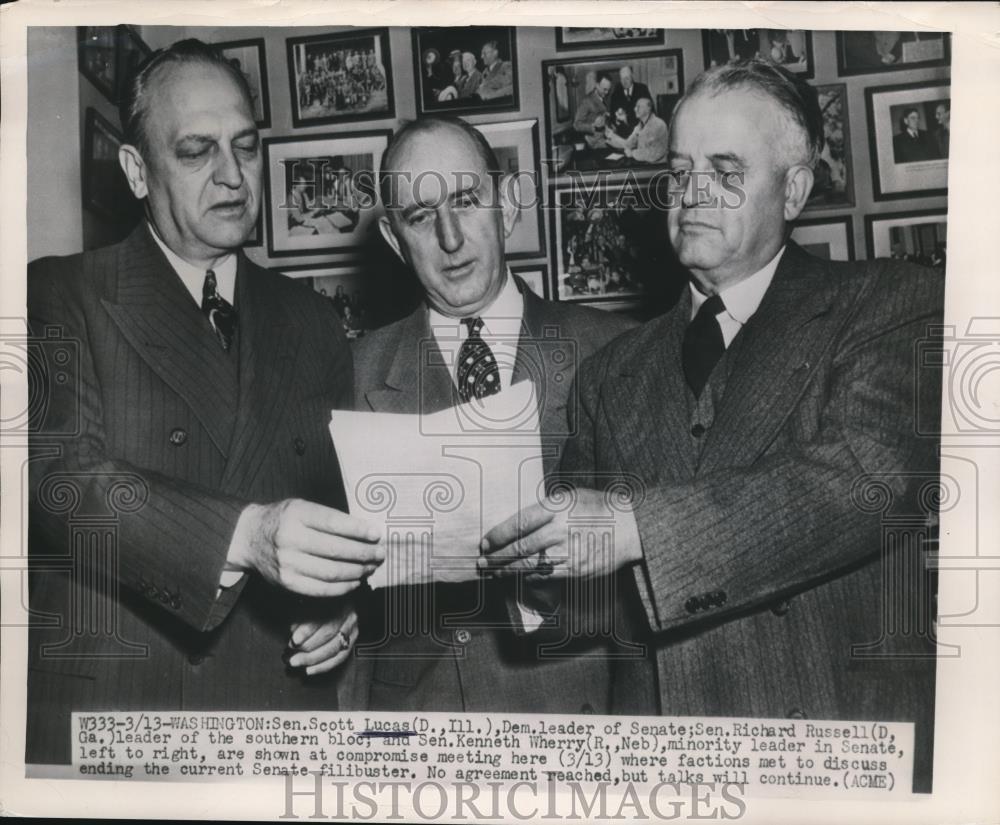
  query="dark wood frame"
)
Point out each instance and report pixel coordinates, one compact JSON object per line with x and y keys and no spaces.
{"x":659,"y":39}
{"x":125,"y":34}
{"x":259,"y":44}
{"x":810,"y":72}
{"x":418,"y":92}
{"x":847,"y":222}
{"x":544,"y":267}
{"x":843,"y":70}
{"x":851,"y":195}
{"x":110,"y":92}
{"x":350,"y":34}
{"x":872,"y":219}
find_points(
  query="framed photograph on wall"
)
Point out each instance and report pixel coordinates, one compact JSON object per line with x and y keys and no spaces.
{"x":599,"y":243}
{"x":321,"y":191}
{"x":465,"y":70}
{"x":536,"y":276}
{"x":594,"y":108}
{"x":909,"y":126}
{"x":516,"y":148}
{"x":132,"y":51}
{"x":833,"y":187}
{"x":105,"y":191}
{"x":340,"y":77}
{"x":791,"y":49}
{"x":919,"y":236}
{"x":831,"y":239}
{"x":97,"y":58}
{"x":569,"y":38}
{"x":348,"y":289}
{"x":249,"y":58}
{"x":867,"y":52}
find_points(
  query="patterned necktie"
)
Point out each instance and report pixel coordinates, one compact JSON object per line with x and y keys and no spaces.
{"x":220,"y":313}
{"x":703,"y":344}
{"x":478,"y":373}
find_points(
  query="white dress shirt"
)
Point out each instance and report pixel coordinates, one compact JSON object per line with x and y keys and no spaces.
{"x":501,"y":330}
{"x":741,"y":299}
{"x":193,"y":277}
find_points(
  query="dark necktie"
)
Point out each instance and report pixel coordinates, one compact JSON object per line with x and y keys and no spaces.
{"x":703,"y":344}
{"x":478,"y":374}
{"x":220,"y":313}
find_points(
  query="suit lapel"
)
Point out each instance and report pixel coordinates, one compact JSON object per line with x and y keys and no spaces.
{"x":648,"y":398}
{"x":269,"y":342}
{"x":781,"y":346}
{"x":419,"y":378}
{"x":157,"y":316}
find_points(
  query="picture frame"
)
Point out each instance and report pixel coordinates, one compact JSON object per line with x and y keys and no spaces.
{"x":536,"y":276}
{"x":105,"y":191}
{"x":599,"y":243}
{"x":908,"y":136}
{"x":132,"y":51}
{"x":575,"y":140}
{"x":569,"y":38}
{"x":833,"y":187}
{"x":914,"y":235}
{"x":347,"y":287}
{"x":831,"y":238}
{"x":249,"y":57}
{"x":321,"y":191}
{"x":97,"y":58}
{"x":873,"y":52}
{"x":340,"y":77}
{"x":465,"y":70}
{"x":516,"y":146}
{"x":789,"y":48}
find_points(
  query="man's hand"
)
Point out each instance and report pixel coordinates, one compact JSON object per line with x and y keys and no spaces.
{"x":320,"y":646}
{"x":537,"y":540}
{"x":306,"y":548}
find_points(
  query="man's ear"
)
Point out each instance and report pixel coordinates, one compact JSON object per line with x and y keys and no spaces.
{"x":510,"y":201}
{"x":385,"y":227}
{"x":135,"y":170}
{"x":798,"y":186}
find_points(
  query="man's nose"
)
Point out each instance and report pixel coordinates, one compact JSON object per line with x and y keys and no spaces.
{"x":449,"y":230}
{"x":228,"y":171}
{"x":698,"y":190}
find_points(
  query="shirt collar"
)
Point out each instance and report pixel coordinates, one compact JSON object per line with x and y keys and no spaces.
{"x":742,"y":298}
{"x":501,"y":319}
{"x":193,"y":277}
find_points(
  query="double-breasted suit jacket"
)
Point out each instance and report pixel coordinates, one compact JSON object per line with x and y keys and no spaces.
{"x":487,"y":663}
{"x":164,"y":438}
{"x":765,"y":581}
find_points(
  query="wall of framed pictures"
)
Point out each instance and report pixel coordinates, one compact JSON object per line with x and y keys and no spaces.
{"x":884,"y":97}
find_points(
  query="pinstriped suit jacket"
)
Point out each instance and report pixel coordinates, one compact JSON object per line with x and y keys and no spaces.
{"x":492,"y":669}
{"x":151,"y":404}
{"x":820,"y":393}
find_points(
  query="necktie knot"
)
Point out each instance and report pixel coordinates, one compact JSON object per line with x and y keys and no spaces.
{"x":474,"y":325}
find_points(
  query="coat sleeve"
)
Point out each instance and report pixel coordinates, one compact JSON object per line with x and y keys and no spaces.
{"x":742,"y":538}
{"x":172,"y":537}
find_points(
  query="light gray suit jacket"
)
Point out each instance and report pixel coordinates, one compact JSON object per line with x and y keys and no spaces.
{"x":762,"y":567}
{"x":474,"y":660}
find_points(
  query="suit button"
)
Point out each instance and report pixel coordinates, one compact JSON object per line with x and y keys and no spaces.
{"x":781,"y":608}
{"x":692,"y":605}
{"x":698,"y":430}
{"x":797,"y":713}
{"x":175,"y":602}
{"x":300,"y":446}
{"x":196,"y":659}
{"x":587,"y":708}
{"x":462,"y":636}
{"x":178,"y":436}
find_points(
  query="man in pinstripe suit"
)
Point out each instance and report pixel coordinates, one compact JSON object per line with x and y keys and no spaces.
{"x":199,"y":390}
{"x":761,"y":413}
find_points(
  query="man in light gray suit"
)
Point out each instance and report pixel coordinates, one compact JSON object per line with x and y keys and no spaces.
{"x":760,"y":413}
{"x":447,"y":218}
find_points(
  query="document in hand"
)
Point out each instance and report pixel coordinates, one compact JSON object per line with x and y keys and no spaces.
{"x":436,"y":483}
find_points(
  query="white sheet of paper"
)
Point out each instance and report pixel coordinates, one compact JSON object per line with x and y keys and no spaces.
{"x":437,"y":483}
